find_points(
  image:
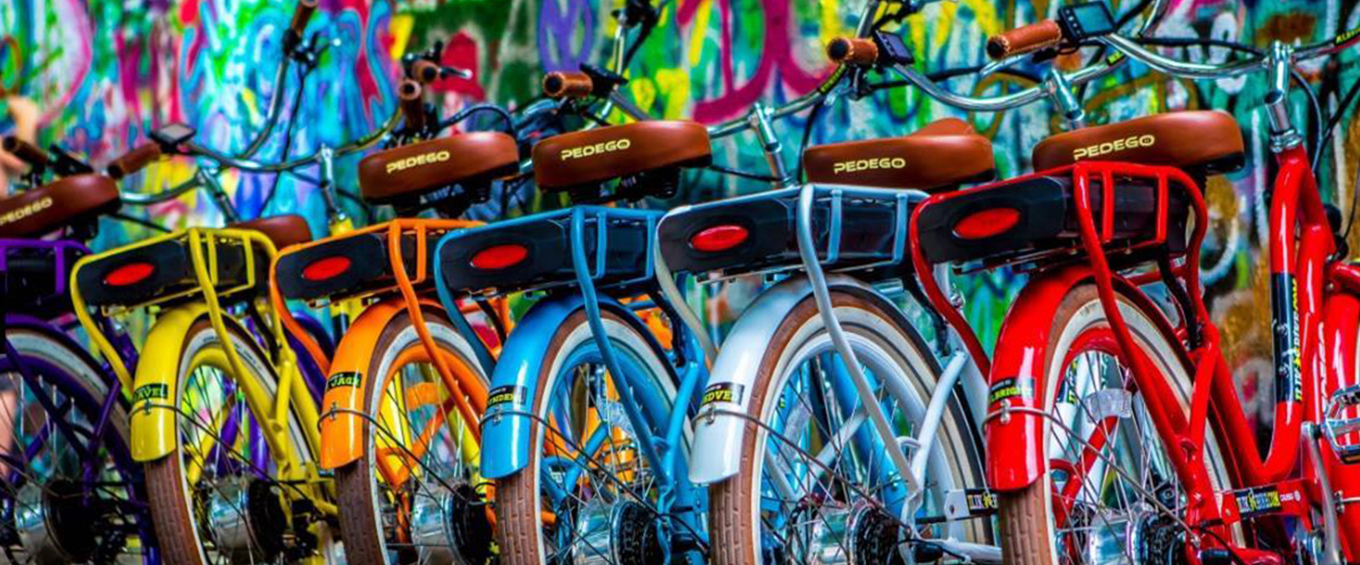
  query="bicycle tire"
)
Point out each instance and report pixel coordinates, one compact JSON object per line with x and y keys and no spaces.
{"x":357,"y":484}
{"x":172,"y":503}
{"x":735,"y":502}
{"x":84,"y":384}
{"x":1026,"y":516}
{"x":520,"y":529}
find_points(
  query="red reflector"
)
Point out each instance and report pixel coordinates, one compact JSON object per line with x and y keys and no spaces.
{"x":987,"y":223}
{"x":499,"y":257}
{"x":129,"y":274}
{"x":719,"y":238}
{"x":327,"y":268}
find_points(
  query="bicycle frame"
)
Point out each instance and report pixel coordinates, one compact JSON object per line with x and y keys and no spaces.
{"x":154,"y":421}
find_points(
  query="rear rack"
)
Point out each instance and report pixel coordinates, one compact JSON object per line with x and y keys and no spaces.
{"x":360,"y":264}
{"x":1031,"y":221}
{"x":534,"y":253}
{"x":855,"y":228}
{"x":36,"y":274}
{"x":164,"y":269}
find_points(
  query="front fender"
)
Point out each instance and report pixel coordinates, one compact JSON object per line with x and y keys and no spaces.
{"x":1015,"y":442}
{"x":156,"y":383}
{"x":342,"y":437}
{"x":718,"y":435}
{"x":515,"y":382}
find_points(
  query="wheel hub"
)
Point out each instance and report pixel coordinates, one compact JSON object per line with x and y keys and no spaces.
{"x":451,"y":527}
{"x":862,"y":534}
{"x":54,"y":523}
{"x":258,"y":533}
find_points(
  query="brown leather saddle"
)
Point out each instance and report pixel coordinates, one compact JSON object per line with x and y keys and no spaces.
{"x":580,"y":159}
{"x":283,"y":230}
{"x":69,"y":201}
{"x":942,"y":155}
{"x":402,"y":175}
{"x":1204,"y":141}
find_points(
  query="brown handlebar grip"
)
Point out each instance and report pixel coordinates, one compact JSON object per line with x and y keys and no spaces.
{"x":852,"y":51}
{"x":134,"y":160}
{"x":567,"y":85}
{"x":1033,"y":37}
{"x":301,"y":14}
{"x":425,"y":72}
{"x":412,"y":107}
{"x":25,"y":151}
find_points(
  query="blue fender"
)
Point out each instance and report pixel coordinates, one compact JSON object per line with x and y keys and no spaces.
{"x":514,"y":383}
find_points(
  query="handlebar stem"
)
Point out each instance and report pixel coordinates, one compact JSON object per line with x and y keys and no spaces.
{"x":763,"y":125}
{"x":1060,"y":91}
{"x":1283,"y":134}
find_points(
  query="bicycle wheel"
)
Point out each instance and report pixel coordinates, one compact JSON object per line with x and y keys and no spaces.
{"x":217,"y":498}
{"x":587,"y":493}
{"x":72,"y":491}
{"x":1109,"y":493}
{"x":412,"y":497}
{"x":814,"y":483}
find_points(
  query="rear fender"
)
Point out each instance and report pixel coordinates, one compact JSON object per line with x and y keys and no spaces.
{"x":514,"y":383}
{"x":718,"y":429}
{"x":156,"y":382}
{"x":343,"y":400}
{"x":1015,"y":440}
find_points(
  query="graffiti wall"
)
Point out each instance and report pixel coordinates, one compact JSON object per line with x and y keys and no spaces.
{"x":104,"y":72}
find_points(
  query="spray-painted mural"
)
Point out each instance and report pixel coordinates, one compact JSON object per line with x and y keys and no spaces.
{"x":103,"y":72}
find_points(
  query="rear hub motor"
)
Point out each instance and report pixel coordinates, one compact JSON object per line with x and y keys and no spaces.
{"x":450,"y":527}
{"x":858,"y":535}
{"x":247,"y":520}
{"x":57,"y":523}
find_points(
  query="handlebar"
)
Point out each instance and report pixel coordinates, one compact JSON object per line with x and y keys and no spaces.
{"x":133,"y":161}
{"x":26,"y":151}
{"x":1025,"y":39}
{"x":425,"y":72}
{"x":857,"y":51}
{"x":412,"y":107}
{"x":301,"y":14}
{"x":563,"y":84}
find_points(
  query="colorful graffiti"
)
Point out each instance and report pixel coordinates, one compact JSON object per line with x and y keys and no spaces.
{"x":106,"y":71}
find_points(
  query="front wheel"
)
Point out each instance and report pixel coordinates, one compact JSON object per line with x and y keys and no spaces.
{"x":413,"y":497}
{"x":1108,"y":483}
{"x":815,"y":483}
{"x":587,"y":494}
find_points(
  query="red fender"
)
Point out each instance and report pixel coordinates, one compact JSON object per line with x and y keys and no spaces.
{"x":1015,"y":442}
{"x":1015,"y":445}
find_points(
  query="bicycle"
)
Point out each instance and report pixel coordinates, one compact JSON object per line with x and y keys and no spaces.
{"x":1100,"y":405}
{"x":255,"y":396}
{"x":71,"y":491}
{"x":409,"y":378}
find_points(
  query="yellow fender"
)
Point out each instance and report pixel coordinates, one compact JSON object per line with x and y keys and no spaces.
{"x":156,"y":383}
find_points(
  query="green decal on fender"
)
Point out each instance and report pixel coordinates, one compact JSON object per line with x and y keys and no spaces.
{"x":151,"y":392}
{"x":1011,"y":388}
{"x":348,"y":378}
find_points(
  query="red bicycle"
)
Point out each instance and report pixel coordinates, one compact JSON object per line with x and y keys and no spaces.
{"x":1101,"y":402}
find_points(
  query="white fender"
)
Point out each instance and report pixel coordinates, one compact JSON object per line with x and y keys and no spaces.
{"x":718,"y":432}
